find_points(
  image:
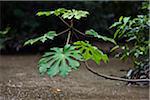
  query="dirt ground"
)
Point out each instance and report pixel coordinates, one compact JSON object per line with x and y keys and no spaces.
{"x":20,"y":80}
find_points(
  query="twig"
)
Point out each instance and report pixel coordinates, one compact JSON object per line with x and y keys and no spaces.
{"x":115,"y":78}
{"x":63,"y":31}
{"x":64,"y":22}
{"x":78,"y":31}
{"x":68,"y":38}
{"x":71,"y":26}
{"x":75,"y":34}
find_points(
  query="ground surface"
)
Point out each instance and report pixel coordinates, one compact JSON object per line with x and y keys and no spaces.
{"x":20,"y":80}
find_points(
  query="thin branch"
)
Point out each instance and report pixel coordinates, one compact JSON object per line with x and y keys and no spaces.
{"x":75,"y":34}
{"x":71,"y":23}
{"x":64,"y":21}
{"x":63,"y":31}
{"x":115,"y":78}
{"x":71,"y":26}
{"x":68,"y":38}
{"x":78,"y":31}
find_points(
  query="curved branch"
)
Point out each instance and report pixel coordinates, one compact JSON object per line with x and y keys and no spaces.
{"x":114,"y":78}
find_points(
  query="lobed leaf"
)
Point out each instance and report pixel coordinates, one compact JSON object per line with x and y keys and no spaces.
{"x":49,"y":35}
{"x":95,"y":34}
{"x":60,"y":60}
{"x":65,"y":14}
{"x":77,"y":14}
{"x":90,"y":52}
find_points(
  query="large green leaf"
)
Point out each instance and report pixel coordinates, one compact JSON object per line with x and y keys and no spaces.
{"x":95,"y":34}
{"x":90,"y":52}
{"x":77,"y":14}
{"x":60,"y":11}
{"x":69,"y":14}
{"x":60,"y":60}
{"x":65,"y":14}
{"x":46,"y":36}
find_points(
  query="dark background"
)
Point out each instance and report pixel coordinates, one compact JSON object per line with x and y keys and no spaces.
{"x":20,"y":16}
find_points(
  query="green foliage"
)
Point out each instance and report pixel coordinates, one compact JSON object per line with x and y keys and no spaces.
{"x":65,"y":14}
{"x":2,"y":33}
{"x":114,"y":48}
{"x":3,"y":37}
{"x":135,"y":32}
{"x":95,"y":34}
{"x":46,"y":36}
{"x":145,"y":5}
{"x":137,"y":43}
{"x":122,"y":26}
{"x":90,"y":52}
{"x":60,"y":60}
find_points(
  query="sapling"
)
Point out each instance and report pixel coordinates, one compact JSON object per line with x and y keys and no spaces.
{"x":62,"y":60}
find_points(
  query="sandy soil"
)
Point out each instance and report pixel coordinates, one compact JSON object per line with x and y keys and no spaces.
{"x":20,"y":80}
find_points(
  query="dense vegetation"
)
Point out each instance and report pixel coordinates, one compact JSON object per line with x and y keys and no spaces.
{"x":135,"y":33}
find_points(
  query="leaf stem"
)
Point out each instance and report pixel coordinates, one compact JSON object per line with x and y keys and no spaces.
{"x":71,"y":26}
{"x":63,"y":31}
{"x":68,"y":38}
{"x":64,"y":22}
{"x":78,"y":31}
{"x":69,"y":34}
{"x":75,"y":34}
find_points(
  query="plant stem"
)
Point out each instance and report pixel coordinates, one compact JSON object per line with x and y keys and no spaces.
{"x":68,"y":38}
{"x":71,"y":26}
{"x":69,"y":34}
{"x":64,"y":22}
{"x":78,"y":31}
{"x":63,"y":31}
{"x":75,"y":34}
{"x":71,"y":23}
{"x":115,"y":78}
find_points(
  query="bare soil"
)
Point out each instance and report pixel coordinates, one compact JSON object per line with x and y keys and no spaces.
{"x":20,"y":80}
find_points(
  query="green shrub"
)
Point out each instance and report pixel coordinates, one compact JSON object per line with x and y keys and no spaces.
{"x":135,"y":34}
